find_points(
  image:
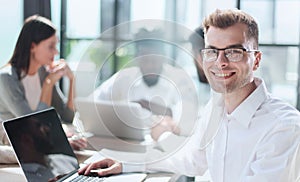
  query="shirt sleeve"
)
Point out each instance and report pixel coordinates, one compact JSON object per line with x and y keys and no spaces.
{"x":129,"y":167}
{"x":277,"y":156}
{"x":104,"y":91}
{"x":187,"y":157}
{"x":188,"y":160}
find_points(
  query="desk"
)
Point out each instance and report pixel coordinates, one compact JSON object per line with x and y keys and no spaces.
{"x":99,"y":143}
{"x":12,"y":172}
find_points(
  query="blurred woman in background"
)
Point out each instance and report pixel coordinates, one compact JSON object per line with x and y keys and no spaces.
{"x":28,"y":81}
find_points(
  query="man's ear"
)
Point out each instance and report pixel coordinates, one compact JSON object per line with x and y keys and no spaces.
{"x":257,"y":60}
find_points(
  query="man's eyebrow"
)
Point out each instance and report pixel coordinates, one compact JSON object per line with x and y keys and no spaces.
{"x":230,"y":46}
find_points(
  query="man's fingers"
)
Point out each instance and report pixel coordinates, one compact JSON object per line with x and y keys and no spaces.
{"x":90,"y":167}
{"x":102,"y":168}
{"x":114,"y":169}
{"x":82,"y":170}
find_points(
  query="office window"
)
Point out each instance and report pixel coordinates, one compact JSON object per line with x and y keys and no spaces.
{"x":279,"y":42}
{"x":195,"y":14}
{"x":11,"y":16}
{"x":147,"y":9}
{"x":83,"y":19}
{"x":279,"y":69}
{"x":82,"y":27}
{"x":212,"y":5}
{"x":275,"y":19}
{"x":287,"y":32}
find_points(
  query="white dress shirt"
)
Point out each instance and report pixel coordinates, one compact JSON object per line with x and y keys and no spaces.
{"x":258,"y":141}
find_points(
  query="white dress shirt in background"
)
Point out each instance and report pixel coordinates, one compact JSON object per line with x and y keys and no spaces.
{"x":175,"y":89}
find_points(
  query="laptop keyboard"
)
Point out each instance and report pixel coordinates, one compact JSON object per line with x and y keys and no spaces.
{"x":82,"y":178}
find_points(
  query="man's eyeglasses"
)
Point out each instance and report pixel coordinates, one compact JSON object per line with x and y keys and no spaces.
{"x":232,"y":54}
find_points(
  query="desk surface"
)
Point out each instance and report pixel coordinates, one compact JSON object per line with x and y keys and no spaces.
{"x":99,"y":143}
{"x":12,"y":172}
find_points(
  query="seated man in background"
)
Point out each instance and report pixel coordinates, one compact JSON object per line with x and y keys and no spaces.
{"x":150,"y":80}
{"x":257,"y":136}
{"x":196,"y":39}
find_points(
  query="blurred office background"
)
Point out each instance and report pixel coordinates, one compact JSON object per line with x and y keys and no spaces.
{"x":81,"y":22}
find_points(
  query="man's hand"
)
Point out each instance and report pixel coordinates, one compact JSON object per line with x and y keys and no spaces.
{"x":155,"y":108}
{"x":102,"y":168}
{"x":163,"y":124}
{"x":77,"y":143}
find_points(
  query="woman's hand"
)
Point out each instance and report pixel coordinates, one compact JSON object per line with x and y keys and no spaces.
{"x":67,"y":71}
{"x":58,"y":69}
{"x":102,"y":168}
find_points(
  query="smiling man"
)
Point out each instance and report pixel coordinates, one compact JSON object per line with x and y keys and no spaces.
{"x":231,"y":56}
{"x":246,"y":133}
{"x":259,"y":134}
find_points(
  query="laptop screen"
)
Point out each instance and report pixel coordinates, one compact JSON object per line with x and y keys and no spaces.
{"x":41,"y":145}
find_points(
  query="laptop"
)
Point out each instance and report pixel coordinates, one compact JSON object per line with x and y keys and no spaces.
{"x":43,"y":151}
{"x":125,"y":120}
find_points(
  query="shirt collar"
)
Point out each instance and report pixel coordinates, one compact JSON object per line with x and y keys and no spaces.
{"x":245,"y":111}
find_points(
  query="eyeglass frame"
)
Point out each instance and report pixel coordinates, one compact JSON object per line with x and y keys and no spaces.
{"x":224,"y":49}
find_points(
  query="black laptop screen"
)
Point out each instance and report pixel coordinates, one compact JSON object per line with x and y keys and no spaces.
{"x":41,"y":146}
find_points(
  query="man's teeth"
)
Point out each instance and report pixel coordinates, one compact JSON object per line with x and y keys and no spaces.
{"x":222,"y":74}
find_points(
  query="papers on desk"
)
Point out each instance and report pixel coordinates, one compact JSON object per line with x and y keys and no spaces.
{"x":205,"y":178}
{"x":121,"y":156}
{"x":95,"y":157}
{"x":158,"y":179}
{"x":132,"y":157}
{"x":132,"y":177}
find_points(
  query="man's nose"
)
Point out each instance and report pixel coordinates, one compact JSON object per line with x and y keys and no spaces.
{"x":222,"y":60}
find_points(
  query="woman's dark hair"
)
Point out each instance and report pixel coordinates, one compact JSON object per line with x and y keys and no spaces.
{"x":34,"y":30}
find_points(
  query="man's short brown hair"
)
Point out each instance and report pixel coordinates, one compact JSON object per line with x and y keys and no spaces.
{"x":226,"y":18}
